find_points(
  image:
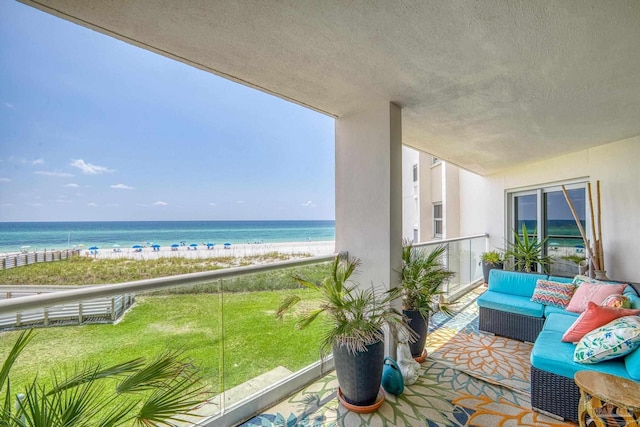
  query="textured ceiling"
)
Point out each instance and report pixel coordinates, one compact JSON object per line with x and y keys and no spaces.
{"x":484,"y":84}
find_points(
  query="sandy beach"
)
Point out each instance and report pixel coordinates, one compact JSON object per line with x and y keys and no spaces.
{"x":236,"y":251}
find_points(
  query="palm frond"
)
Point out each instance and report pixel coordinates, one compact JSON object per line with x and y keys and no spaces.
{"x":18,"y":346}
{"x":164,"y":368}
{"x":90,"y":374}
{"x":286,"y":304}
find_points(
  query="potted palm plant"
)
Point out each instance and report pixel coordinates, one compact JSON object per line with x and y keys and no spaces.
{"x":355,"y":335}
{"x":491,"y":260}
{"x":422,"y":275}
{"x":526,"y":252}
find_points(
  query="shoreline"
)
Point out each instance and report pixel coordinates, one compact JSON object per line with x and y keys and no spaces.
{"x":235,"y":250}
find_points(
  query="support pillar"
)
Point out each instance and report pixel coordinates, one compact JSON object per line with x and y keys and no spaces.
{"x":369,"y":195}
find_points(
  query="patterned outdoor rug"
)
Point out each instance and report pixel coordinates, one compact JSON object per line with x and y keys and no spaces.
{"x":497,"y":360}
{"x":442,"y":396}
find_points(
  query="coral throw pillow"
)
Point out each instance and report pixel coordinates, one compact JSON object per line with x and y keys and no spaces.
{"x":594,"y":317}
{"x":596,"y":292}
{"x":553,"y":293}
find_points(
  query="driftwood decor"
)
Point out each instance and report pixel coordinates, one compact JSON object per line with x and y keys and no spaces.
{"x":595,"y":251}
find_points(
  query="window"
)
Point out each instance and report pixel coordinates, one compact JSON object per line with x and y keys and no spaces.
{"x":415,"y":173}
{"x":437,"y":220}
{"x":546,"y":214}
{"x":416,"y":237}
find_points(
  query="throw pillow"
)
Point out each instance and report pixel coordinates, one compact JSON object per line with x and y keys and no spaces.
{"x":594,"y":317}
{"x":619,"y":301}
{"x":553,"y":293}
{"x":615,"y":339}
{"x":595,"y":292}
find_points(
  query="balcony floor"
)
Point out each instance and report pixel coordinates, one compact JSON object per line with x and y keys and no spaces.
{"x":469,"y":379}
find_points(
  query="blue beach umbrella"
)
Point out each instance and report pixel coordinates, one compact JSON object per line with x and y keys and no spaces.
{"x":227,"y":245}
{"x":93,"y":248}
{"x":175,"y":245}
{"x":209,"y":245}
{"x":194,"y":245}
{"x":136,"y":247}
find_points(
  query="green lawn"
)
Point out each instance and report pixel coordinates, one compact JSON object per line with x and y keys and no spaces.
{"x":188,"y":319}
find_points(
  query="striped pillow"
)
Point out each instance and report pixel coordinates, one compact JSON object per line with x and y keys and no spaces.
{"x":553,"y":293}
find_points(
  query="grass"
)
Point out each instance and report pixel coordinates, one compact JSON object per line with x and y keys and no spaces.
{"x":192,"y":319}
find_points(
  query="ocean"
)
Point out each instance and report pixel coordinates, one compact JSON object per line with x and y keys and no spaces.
{"x":16,"y":236}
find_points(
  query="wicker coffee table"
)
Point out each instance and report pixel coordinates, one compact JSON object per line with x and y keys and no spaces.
{"x":607,"y":400}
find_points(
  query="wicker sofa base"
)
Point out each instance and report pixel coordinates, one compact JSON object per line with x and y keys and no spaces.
{"x":510,"y":325}
{"x":554,"y":394}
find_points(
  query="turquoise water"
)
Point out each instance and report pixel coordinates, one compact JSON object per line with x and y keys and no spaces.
{"x":61,"y":235}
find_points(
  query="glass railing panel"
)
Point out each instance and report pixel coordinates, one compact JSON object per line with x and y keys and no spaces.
{"x":260,"y":349}
{"x":566,"y":253}
{"x":462,"y":257}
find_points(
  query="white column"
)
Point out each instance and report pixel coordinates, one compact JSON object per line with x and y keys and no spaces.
{"x":369,"y":194}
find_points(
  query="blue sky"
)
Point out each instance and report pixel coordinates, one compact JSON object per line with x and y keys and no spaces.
{"x":92,"y":128}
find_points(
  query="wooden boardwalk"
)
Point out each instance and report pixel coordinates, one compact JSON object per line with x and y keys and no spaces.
{"x":97,"y":310}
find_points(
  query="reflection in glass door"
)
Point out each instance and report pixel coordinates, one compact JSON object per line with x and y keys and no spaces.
{"x":564,"y":243}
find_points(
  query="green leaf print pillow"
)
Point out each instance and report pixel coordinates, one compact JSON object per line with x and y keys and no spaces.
{"x":615,"y":339}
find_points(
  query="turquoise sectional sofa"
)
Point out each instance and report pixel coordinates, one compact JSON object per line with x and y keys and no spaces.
{"x":506,"y":309}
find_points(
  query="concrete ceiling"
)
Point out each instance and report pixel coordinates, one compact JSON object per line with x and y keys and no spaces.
{"x":484,"y":84}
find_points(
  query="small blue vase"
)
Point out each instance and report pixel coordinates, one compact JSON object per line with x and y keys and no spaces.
{"x":392,"y":381}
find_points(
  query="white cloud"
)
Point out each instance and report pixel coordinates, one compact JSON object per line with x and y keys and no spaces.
{"x":61,"y":200}
{"x":88,"y":168}
{"x":5,"y":180}
{"x":122,"y":187}
{"x":93,"y":205}
{"x":38,"y":162}
{"x":8,"y":105}
{"x":54,"y":173}
{"x":71,"y":185}
{"x":308,"y":203}
{"x":160,"y":203}
{"x":212,"y":204}
{"x":240,"y":202}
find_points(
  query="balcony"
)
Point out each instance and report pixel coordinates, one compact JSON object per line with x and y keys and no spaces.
{"x":208,"y":316}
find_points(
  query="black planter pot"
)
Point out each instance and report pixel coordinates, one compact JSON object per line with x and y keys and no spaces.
{"x":488,"y":267}
{"x":421,"y":327}
{"x":359,"y":375}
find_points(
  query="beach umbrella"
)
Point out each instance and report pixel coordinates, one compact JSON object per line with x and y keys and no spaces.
{"x":193,"y":245}
{"x":210,"y":244}
{"x":93,"y":248}
{"x":136,"y":247}
{"x":175,"y":245}
{"x":227,"y":245}
{"x":155,"y":245}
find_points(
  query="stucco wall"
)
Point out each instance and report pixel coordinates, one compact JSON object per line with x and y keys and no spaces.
{"x":410,"y":208}
{"x":616,"y":165}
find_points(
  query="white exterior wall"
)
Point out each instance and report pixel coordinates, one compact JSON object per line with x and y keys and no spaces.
{"x":483,"y":201}
{"x":410,"y":192}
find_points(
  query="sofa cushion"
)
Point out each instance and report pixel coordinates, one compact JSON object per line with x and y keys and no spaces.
{"x":594,"y":317}
{"x":553,"y":293}
{"x":632,"y":363}
{"x":550,"y":354}
{"x":514,"y":283}
{"x":613,"y":340}
{"x":595,"y":292}
{"x":549,"y":309}
{"x":559,"y":322}
{"x":510,"y":303}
